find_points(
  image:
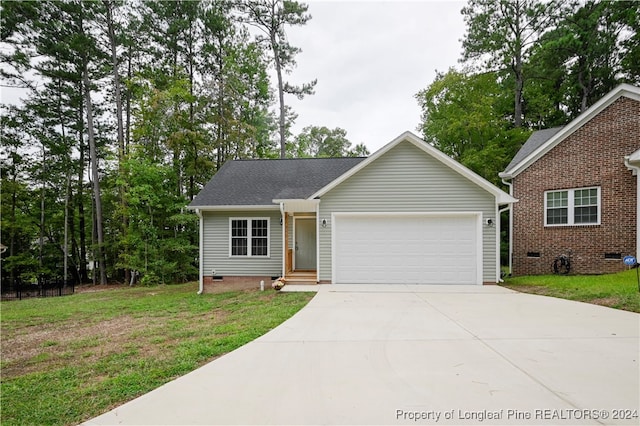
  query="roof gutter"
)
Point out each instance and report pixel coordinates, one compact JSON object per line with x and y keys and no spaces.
{"x":510,"y":209}
{"x":234,"y":207}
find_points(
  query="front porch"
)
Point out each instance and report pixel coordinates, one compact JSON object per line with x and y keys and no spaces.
{"x":300,"y":242}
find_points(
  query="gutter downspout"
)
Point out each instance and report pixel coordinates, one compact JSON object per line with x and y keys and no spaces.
{"x":201,"y":254}
{"x":510,"y":208}
{"x":317,"y":243}
{"x":636,"y":171}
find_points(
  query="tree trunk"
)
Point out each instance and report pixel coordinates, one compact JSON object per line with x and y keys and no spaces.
{"x":222,"y":151}
{"x":128,"y":103}
{"x":517,"y":120}
{"x":276,"y":55}
{"x":82,"y":262}
{"x":66,"y":226}
{"x":95,"y":175}
{"x":585,"y":87}
{"x":12,"y":231}
{"x":41,"y":241}
{"x":120,"y":127}
{"x":517,"y":69}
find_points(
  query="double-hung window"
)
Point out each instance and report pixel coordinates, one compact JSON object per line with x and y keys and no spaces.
{"x":249,"y":236}
{"x":579,"y":206}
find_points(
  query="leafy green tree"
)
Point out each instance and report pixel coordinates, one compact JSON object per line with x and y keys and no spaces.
{"x":53,"y":33}
{"x":581,"y":59}
{"x":158,"y":238}
{"x":316,"y":141}
{"x":17,"y":225}
{"x":235,"y":97}
{"x":272,"y":17}
{"x":179,"y":87}
{"x":500,"y":35}
{"x":466,"y":117}
{"x":628,"y":13}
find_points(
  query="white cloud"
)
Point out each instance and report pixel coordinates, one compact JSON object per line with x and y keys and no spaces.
{"x":370,"y":59}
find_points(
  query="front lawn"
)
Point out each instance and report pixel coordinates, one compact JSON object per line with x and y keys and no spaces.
{"x":68,"y":359}
{"x":618,"y":291}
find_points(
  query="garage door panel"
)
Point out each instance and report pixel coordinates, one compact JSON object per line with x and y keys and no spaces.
{"x":406,"y":249}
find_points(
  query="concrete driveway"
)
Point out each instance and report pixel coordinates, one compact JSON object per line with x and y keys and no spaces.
{"x":416,"y":355}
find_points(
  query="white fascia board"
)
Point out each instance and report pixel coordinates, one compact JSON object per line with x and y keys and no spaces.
{"x":634,"y":157}
{"x":626,"y":90}
{"x":501,"y":196}
{"x":298,"y":205}
{"x":236,"y":208}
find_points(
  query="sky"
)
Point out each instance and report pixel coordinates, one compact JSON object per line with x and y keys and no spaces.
{"x":370,"y":59}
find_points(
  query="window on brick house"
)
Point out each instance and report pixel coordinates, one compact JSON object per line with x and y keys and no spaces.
{"x":580,"y":206}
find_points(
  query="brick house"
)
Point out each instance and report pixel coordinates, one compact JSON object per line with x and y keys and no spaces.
{"x":578,"y":190}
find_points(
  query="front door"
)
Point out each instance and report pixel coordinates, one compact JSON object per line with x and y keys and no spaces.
{"x":305,"y":244}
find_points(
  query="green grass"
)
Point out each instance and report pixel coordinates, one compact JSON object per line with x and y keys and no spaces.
{"x":618,"y":291}
{"x":68,"y":359}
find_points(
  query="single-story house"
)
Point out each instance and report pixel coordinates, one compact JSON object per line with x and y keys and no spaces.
{"x":577,"y":187}
{"x":406,"y":214}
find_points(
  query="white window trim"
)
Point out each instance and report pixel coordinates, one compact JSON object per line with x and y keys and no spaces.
{"x":571,"y":207}
{"x":249,"y":237}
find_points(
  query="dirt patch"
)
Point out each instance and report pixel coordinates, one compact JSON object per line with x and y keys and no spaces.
{"x":23,"y":352}
{"x":224,"y":287}
{"x":531,"y":289}
{"x":90,"y":288}
{"x":610,"y":302}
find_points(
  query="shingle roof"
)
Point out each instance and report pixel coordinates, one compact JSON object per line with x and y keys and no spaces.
{"x":259,"y":182}
{"x":535,"y":141}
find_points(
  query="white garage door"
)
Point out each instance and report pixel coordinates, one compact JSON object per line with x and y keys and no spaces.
{"x":406,"y":249}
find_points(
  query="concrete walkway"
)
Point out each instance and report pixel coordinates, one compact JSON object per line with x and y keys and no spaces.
{"x":416,"y":355}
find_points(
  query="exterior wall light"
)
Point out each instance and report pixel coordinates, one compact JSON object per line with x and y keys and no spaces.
{"x":324,"y":223}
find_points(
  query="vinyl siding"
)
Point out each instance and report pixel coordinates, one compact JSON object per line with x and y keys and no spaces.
{"x":406,"y":179}
{"x":216,"y":246}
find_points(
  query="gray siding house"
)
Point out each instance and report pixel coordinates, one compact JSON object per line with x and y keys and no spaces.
{"x":408,"y":214}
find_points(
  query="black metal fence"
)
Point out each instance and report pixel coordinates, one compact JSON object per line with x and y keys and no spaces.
{"x":18,"y":290}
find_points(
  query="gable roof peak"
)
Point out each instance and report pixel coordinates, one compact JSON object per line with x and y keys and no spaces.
{"x":410,"y":137}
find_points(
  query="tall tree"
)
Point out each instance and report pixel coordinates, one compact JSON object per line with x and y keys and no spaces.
{"x":272,"y":17}
{"x":85,"y":39}
{"x":500,"y":34}
{"x":581,"y":59}
{"x":235,"y":94}
{"x":50,"y":33}
{"x":129,"y":101}
{"x":114,"y":40}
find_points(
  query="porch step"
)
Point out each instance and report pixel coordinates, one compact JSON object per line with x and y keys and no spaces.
{"x":300,"y":282}
{"x":301,"y":278}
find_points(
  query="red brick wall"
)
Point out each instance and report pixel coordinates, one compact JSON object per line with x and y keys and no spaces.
{"x":592,"y":156}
